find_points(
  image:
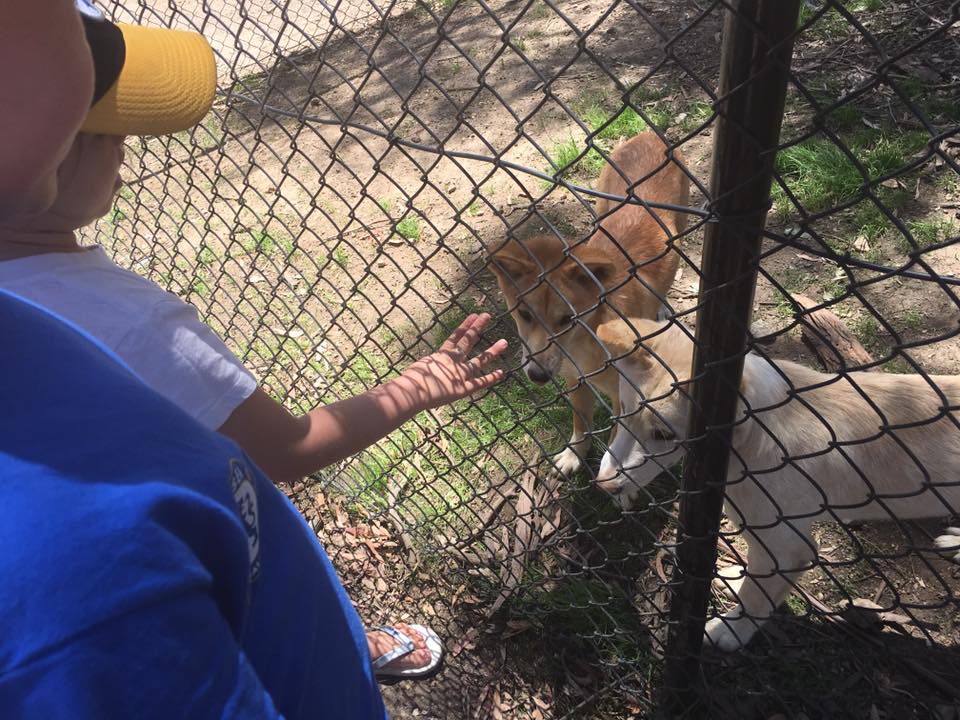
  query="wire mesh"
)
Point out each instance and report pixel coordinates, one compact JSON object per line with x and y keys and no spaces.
{"x":334,"y":214}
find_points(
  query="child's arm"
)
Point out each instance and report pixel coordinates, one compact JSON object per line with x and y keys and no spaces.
{"x":288,"y":448}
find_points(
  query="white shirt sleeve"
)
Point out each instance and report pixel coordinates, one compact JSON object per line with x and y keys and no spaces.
{"x":184,"y":360}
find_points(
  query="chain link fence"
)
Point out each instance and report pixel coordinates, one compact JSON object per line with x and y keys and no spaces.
{"x":332,"y":219}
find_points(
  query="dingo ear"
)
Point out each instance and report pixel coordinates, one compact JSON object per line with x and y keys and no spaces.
{"x":511,"y":260}
{"x":591,"y":262}
{"x":622,"y":340}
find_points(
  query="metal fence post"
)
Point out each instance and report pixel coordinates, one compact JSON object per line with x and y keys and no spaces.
{"x":755,"y":62}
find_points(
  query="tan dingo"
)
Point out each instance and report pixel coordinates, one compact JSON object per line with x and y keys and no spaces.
{"x":559,"y":295}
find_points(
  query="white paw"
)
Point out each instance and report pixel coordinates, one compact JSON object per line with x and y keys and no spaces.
{"x":567,"y":462}
{"x":729,"y":632}
{"x":729,"y":580}
{"x":949,"y":542}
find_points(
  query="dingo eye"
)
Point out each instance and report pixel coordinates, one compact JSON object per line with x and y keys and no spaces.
{"x":525,"y":315}
{"x":660,"y":433}
{"x":566,"y":320}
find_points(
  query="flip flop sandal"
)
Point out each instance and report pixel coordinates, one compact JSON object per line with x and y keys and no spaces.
{"x":405,"y":646}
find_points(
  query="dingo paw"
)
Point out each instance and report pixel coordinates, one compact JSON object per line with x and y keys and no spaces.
{"x":567,"y":462}
{"x":949,"y":542}
{"x":729,"y":632}
{"x":728,"y":581}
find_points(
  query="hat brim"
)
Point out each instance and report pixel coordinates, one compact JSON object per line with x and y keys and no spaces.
{"x":167,"y":84}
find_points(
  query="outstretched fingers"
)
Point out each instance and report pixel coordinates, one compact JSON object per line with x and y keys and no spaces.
{"x":467,"y":335}
{"x":460,"y":344}
{"x":484,"y":381}
{"x":489,"y":355}
{"x":454,"y":338}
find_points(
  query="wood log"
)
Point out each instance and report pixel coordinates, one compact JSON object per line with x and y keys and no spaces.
{"x":826,"y":335}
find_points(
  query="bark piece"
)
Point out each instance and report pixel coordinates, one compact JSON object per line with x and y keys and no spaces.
{"x":825,"y":334}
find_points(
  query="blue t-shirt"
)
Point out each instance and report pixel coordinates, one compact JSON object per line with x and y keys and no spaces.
{"x":147,"y":568}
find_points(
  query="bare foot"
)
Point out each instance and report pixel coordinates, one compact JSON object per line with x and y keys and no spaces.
{"x":379,"y":643}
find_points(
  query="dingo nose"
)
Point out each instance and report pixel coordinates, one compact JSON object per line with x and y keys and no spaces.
{"x":538,"y":374}
{"x":608,"y":480}
{"x":606,"y":474}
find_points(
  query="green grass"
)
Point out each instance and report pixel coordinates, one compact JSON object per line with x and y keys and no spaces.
{"x":206,"y":135}
{"x":870,"y":221}
{"x":795,"y":280}
{"x":948,"y":180}
{"x":832,"y":25}
{"x":261,"y":241}
{"x":369,"y":473}
{"x":821,"y":175}
{"x":115,"y":216}
{"x":206,"y":254}
{"x":797,"y":605}
{"x":250,"y":84}
{"x":873,"y":224}
{"x":867,"y":329}
{"x":912,"y":320}
{"x":572,"y":162}
{"x":649,"y":93}
{"x":625,"y":124}
{"x":843,"y":118}
{"x":199,"y":287}
{"x":898,"y":365}
{"x":595,"y":612}
{"x":340,"y":257}
{"x":928,"y":232}
{"x":806,"y":12}
{"x":833,"y":288}
{"x":572,"y":158}
{"x":566,"y":153}
{"x":858,"y":6}
{"x":936,"y":103}
{"x":589,"y":608}
{"x":539,"y":10}
{"x":696,"y":115}
{"x":782,"y":305}
{"x":408,"y":228}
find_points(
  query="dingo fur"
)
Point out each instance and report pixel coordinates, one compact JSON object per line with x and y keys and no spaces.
{"x":861,"y":446}
{"x":559,"y":295}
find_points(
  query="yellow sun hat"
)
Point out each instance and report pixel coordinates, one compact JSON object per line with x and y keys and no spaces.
{"x":148,"y":81}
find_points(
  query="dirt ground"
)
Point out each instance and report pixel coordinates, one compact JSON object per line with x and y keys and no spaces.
{"x":312,"y":221}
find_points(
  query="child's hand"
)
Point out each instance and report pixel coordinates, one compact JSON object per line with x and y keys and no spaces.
{"x":450,"y":373}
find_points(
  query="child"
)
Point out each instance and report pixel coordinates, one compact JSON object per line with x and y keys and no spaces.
{"x":147,"y":568}
{"x":163,"y":341}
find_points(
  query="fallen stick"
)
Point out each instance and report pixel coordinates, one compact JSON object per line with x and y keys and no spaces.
{"x":393,"y":497}
{"x":829,"y":338}
{"x":487,"y":519}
